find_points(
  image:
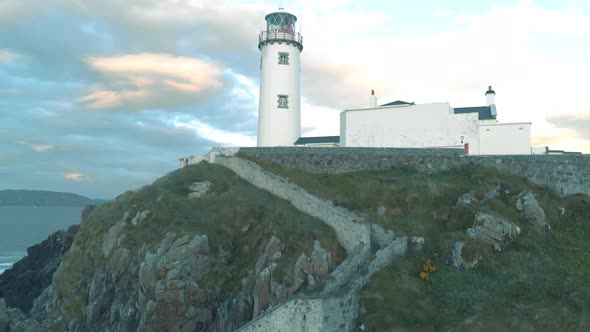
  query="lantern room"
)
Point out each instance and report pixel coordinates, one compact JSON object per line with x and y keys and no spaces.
{"x":280,"y":27}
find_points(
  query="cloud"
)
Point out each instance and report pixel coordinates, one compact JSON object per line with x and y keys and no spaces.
{"x":37,"y":147}
{"x":216,"y":135}
{"x":74,"y":176}
{"x":42,"y":147}
{"x":149,"y":79}
{"x":526,"y":18}
{"x":580,"y":123}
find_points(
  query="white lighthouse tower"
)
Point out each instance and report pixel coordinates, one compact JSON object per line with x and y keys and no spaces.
{"x":279,"y":114}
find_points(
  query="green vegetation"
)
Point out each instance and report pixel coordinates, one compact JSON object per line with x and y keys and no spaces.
{"x":540,"y":282}
{"x":234,"y":215}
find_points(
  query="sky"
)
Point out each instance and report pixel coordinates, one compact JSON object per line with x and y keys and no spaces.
{"x":98,"y":97}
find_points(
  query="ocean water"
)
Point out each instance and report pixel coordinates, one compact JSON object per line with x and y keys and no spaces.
{"x":24,"y":226}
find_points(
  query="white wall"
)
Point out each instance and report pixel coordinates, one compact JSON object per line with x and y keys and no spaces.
{"x":413,"y":126}
{"x":279,"y":126}
{"x":505,"y":138}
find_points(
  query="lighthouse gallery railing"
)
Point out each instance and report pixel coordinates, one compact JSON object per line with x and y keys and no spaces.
{"x":268,"y":36}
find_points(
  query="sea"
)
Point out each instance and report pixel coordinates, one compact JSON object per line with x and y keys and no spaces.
{"x":24,"y":226}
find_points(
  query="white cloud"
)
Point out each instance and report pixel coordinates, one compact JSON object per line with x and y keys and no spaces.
{"x":319,"y":120}
{"x":216,"y":135}
{"x":42,"y":147}
{"x":149,"y":79}
{"x":37,"y":147}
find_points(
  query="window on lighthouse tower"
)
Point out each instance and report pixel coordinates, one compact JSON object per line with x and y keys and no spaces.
{"x":283,"y":58}
{"x":283,"y":101}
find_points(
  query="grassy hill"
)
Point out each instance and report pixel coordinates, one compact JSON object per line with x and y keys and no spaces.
{"x":42,"y":198}
{"x":234,"y":215}
{"x":541,"y":281}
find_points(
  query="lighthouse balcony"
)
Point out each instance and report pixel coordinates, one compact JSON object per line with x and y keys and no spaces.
{"x":270,"y":37}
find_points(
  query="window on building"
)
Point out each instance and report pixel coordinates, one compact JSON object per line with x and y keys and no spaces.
{"x":283,"y":58}
{"x":283,"y":101}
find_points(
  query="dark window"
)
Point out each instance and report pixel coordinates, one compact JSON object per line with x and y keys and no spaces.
{"x":283,"y":58}
{"x":283,"y":101}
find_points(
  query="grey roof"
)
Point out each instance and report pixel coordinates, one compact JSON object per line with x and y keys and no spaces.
{"x":485,"y":112}
{"x":398,"y":103}
{"x":318,"y":140}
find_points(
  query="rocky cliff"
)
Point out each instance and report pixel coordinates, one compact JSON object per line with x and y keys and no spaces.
{"x":27,"y":279}
{"x":199,"y":250}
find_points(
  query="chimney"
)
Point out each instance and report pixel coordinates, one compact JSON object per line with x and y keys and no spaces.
{"x":491,"y":96}
{"x":372,"y":100}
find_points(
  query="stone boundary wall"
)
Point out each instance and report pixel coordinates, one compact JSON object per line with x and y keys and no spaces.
{"x":322,"y":315}
{"x":349,"y":227}
{"x":566,"y":174}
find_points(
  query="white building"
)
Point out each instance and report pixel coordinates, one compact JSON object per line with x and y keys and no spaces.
{"x":436,"y":125}
{"x":279,"y":116}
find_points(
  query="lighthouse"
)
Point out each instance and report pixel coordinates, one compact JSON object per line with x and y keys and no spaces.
{"x":279,"y":113}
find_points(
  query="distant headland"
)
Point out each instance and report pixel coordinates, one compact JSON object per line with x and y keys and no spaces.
{"x":44,"y":198}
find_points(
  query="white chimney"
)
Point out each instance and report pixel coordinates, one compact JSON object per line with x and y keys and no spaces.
{"x":491,"y":96}
{"x":373,"y":100}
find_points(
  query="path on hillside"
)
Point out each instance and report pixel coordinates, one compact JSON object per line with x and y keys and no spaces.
{"x":337,"y":307}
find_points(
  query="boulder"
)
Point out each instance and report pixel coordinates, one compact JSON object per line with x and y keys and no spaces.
{"x":262,"y":292}
{"x":456,"y":258}
{"x":320,"y":260}
{"x":272,"y":252}
{"x":299,"y":274}
{"x":471,"y":197}
{"x":530,"y":209}
{"x":465,"y":200}
{"x":493,"y":229}
{"x":199,"y":189}
{"x":140,"y":217}
{"x":274,"y":247}
{"x":417,"y":243}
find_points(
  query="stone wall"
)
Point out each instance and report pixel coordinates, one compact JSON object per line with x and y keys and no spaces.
{"x":349,"y":227}
{"x":566,"y":174}
{"x":322,"y":315}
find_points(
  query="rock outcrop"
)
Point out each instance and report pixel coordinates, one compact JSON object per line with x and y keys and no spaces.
{"x":29,"y":277}
{"x":493,"y":229}
{"x":529,"y":208}
{"x":199,"y":189}
{"x":456,"y":257}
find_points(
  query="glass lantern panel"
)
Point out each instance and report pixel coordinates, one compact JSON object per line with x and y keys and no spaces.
{"x":281,"y":22}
